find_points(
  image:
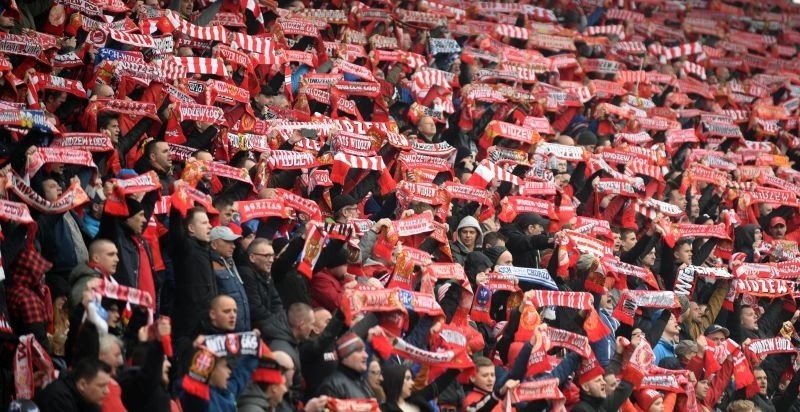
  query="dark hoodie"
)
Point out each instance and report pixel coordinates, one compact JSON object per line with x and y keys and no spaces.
{"x":393,"y":379}
{"x":524,"y":248}
{"x":744,"y":238}
{"x":278,"y":335}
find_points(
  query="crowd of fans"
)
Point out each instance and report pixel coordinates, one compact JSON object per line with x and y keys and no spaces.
{"x":405,"y":206}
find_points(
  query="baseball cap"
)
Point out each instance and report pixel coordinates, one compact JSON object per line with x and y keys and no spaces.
{"x":777,"y":220}
{"x":224,"y":233}
{"x":717,"y":328}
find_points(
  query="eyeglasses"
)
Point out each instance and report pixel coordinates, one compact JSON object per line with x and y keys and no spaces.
{"x":266,"y":255}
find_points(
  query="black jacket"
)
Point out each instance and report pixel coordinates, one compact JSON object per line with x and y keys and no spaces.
{"x":346,"y":383}
{"x":524,"y":248}
{"x":142,"y":389}
{"x":195,"y":283}
{"x":612,"y":402}
{"x":291,"y":285}
{"x":114,"y":229}
{"x":262,"y":296}
{"x":278,"y":335}
{"x":63,"y":396}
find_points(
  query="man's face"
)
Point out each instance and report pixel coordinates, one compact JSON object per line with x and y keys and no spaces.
{"x":347,"y":213}
{"x":694,"y":310}
{"x":107,"y":258}
{"x":677,"y":199}
{"x":225,"y":215}
{"x":617,"y":242}
{"x":55,"y":102}
{"x":200,"y":227}
{"x":223,"y":315}
{"x":223,"y":247}
{"x":112,"y":130}
{"x":357,"y":360}
{"x":595,"y":387}
{"x":262,"y":257}
{"x":716,"y":337}
{"x":186,"y":7}
{"x":611,"y":382}
{"x":701,"y":389}
{"x":468,"y":236}
{"x":761,"y":379}
{"x":749,"y":318}
{"x":113,"y":357}
{"x":484,"y":378}
{"x":136,"y":223}
{"x":505,"y":259}
{"x":95,"y":390}
{"x":51,"y":190}
{"x":160,"y":157}
{"x":304,"y":329}
{"x":778,"y":231}
{"x":426,"y":126}
{"x":321,"y":319}
{"x":672,"y":326}
{"x":628,"y":241}
{"x":683,"y":254}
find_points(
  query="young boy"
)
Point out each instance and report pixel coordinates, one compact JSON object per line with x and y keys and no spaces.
{"x":483,"y":397}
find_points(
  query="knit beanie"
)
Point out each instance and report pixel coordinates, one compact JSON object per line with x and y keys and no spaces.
{"x":348,"y":344}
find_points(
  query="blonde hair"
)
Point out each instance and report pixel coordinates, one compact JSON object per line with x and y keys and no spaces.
{"x":742,"y":406}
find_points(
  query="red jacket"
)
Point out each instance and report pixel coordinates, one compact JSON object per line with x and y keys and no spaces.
{"x":326,"y":290}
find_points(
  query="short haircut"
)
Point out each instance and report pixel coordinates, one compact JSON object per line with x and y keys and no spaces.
{"x":107,"y":341}
{"x":490,"y":239}
{"x":97,"y":245}
{"x":190,"y":214}
{"x":626,"y":231}
{"x":150,"y":147}
{"x":298,"y":313}
{"x":105,"y":118}
{"x":218,"y":298}
{"x":223,"y":201}
{"x":256,"y":243}
{"x":741,"y":406}
{"x":482,"y":362}
{"x":683,"y":241}
{"x":88,"y":368}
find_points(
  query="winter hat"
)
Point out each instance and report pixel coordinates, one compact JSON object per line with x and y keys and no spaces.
{"x":268,"y":372}
{"x":589,"y":369}
{"x":133,"y":205}
{"x":342,"y":201}
{"x":334,"y":255}
{"x":645,"y":398}
{"x":494,"y":252}
{"x":348,"y":344}
{"x":586,"y":138}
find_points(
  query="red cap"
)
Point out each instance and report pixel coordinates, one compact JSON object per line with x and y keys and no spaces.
{"x":589,"y":369}
{"x":777,"y":220}
{"x":645,"y":398}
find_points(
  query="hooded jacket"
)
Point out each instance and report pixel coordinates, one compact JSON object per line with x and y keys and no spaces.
{"x":78,"y":279}
{"x":459,"y":250}
{"x":230,"y":283}
{"x":744,"y":237}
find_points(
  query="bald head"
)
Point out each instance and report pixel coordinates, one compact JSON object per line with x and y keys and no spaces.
{"x":566,"y":140}
{"x":223,"y":313}
{"x":103,"y":254}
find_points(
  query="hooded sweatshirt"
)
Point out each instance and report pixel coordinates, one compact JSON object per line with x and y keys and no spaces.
{"x":460,"y":251}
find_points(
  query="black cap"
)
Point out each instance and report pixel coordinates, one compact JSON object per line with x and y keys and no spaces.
{"x":342,"y":201}
{"x":717,"y":328}
{"x":494,"y":252}
{"x":529,"y":218}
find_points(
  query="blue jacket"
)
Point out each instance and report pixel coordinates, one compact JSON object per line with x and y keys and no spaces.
{"x":663,"y":349}
{"x":224,"y":400}
{"x":604,"y":348}
{"x":230,"y":283}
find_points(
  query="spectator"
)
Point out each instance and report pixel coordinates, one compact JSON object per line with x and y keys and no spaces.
{"x":82,"y":389}
{"x":348,"y":380}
